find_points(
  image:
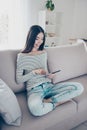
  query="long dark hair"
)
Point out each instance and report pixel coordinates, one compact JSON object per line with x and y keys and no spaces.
{"x":31,"y":37}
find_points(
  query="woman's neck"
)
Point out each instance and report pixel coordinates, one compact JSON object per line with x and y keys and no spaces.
{"x":34,"y":50}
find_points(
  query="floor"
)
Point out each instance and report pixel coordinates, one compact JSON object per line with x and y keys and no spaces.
{"x":82,"y":126}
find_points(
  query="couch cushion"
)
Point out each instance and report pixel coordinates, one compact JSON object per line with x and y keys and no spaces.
{"x":9,"y":106}
{"x":8,"y":69}
{"x":60,"y":114}
{"x":70,"y":59}
{"x":82,"y":99}
{"x":30,"y":122}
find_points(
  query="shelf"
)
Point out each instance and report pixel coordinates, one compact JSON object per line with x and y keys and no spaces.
{"x":50,"y":25}
{"x":51,"y":22}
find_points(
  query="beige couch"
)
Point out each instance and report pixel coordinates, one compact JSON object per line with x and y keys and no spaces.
{"x":72,"y":60}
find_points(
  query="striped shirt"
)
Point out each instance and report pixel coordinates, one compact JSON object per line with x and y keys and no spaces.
{"x":25,"y":64}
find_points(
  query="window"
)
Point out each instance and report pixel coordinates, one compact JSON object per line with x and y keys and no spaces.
{"x":3,"y":23}
{"x":14,"y":23}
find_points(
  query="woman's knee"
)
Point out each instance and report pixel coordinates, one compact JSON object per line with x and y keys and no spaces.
{"x":38,"y":108}
{"x":77,"y":86}
{"x":80,"y":88}
{"x":35,"y":106}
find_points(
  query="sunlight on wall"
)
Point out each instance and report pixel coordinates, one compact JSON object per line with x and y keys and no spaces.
{"x":3,"y":23}
{"x":13,"y":23}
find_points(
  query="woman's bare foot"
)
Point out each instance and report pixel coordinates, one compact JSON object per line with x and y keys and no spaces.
{"x":49,"y":100}
{"x":60,"y":103}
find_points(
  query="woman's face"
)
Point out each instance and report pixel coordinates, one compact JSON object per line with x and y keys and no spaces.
{"x":38,"y":41}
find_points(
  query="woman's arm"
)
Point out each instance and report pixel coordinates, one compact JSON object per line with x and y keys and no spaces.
{"x":21,"y":66}
{"x":20,"y":77}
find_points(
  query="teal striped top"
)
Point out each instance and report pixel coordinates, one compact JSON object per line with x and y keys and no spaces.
{"x":25,"y":64}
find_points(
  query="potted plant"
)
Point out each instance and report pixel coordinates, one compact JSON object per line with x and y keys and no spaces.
{"x":50,"y":5}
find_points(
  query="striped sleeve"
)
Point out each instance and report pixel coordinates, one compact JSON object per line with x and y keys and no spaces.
{"x":20,"y":76}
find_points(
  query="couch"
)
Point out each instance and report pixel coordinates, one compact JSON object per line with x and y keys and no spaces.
{"x":72,"y":60}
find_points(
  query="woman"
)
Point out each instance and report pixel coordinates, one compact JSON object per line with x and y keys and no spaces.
{"x":42,"y":95}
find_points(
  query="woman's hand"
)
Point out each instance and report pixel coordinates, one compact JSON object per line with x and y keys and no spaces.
{"x":50,"y":76}
{"x":40,"y":71}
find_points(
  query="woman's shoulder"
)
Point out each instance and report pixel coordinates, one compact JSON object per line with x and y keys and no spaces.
{"x":21,"y":55}
{"x":36,"y":53}
{"x":44,"y":51}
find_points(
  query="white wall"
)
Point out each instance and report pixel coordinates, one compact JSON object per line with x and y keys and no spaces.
{"x":18,"y":23}
{"x":74,"y":17}
{"x":67,"y":9}
{"x":24,"y":13}
{"x":80,"y":19}
{"x":3,"y":23}
{"x":34,"y":7}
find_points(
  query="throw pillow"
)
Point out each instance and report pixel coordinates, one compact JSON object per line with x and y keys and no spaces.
{"x":70,"y":59}
{"x":9,"y":107}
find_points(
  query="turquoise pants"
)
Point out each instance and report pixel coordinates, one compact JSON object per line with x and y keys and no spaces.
{"x":61,"y":92}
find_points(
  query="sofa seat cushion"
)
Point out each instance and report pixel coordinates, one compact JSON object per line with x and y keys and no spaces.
{"x":60,"y":114}
{"x":70,"y":59}
{"x":82,"y":99}
{"x":30,"y":122}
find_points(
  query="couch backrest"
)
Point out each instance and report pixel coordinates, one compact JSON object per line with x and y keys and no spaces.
{"x":70,"y":59}
{"x":8,"y":69}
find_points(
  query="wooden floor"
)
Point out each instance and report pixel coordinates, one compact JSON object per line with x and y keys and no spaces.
{"x":82,"y":126}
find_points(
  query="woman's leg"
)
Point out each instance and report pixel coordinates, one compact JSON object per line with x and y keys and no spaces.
{"x":44,"y":101}
{"x":64,"y":92}
{"x":36,"y":104}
